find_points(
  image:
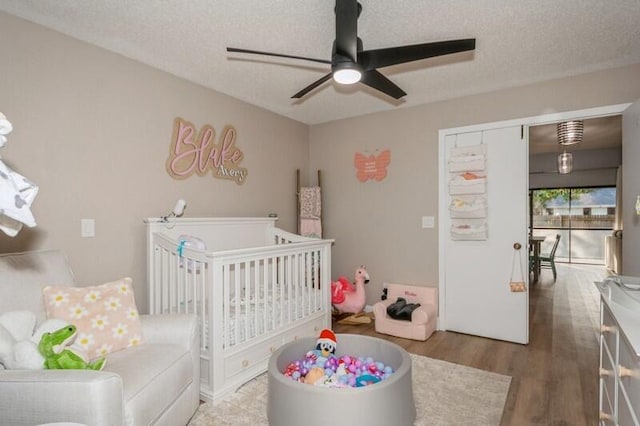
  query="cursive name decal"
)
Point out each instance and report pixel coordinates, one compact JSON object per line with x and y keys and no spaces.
{"x":197,"y":152}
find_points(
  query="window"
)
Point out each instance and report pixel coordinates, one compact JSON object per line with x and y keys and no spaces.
{"x":582,"y":216}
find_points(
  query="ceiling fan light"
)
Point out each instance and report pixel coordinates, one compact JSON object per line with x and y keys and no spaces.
{"x":570,"y":132}
{"x":565,"y":163}
{"x":347,"y":74}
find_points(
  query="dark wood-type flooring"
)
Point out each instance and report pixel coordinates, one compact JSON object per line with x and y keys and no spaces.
{"x":555,"y":376}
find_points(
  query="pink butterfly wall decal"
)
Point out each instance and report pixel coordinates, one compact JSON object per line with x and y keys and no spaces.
{"x":372,"y":166}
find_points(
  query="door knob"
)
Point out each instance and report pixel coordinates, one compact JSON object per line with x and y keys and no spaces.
{"x":604,"y":372}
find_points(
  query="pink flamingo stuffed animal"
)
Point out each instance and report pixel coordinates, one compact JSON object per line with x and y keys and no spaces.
{"x":347,"y":299}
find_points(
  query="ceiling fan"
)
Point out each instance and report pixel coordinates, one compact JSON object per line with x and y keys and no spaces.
{"x":351,"y":64}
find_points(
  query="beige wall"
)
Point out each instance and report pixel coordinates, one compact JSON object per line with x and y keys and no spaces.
{"x":379,"y":223}
{"x":93,"y":128}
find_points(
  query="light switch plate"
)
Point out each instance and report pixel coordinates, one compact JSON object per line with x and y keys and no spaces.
{"x":87,"y":228}
{"x":428,"y":221}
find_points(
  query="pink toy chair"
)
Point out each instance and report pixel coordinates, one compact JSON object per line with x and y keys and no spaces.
{"x":423,"y":319}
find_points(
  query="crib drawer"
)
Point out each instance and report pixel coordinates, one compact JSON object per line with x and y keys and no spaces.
{"x":312,"y":329}
{"x":629,"y":377}
{"x":610,"y":332}
{"x":607,"y":380}
{"x":251,"y":357}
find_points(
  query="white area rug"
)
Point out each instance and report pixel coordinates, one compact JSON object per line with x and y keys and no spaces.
{"x":444,"y":393}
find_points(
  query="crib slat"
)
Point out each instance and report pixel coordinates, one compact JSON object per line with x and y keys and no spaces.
{"x":238,"y":306}
{"x":246,"y":289}
{"x":296,"y":287}
{"x":226,"y":300}
{"x":258,"y":297}
{"x":290,"y":290}
{"x":153,"y":289}
{"x":264,"y":283}
{"x":281,"y":283}
{"x":309,"y":282}
{"x":315,"y":277}
{"x":166,"y":282}
{"x":274,"y":289}
{"x":204,"y":313}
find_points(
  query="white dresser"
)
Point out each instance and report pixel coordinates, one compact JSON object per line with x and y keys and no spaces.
{"x":619,"y":355}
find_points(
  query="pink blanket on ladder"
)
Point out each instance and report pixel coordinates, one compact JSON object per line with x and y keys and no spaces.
{"x":311,"y":228}
{"x":310,"y":212}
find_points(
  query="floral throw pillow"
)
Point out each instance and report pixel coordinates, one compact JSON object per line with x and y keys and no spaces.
{"x":105,"y":315}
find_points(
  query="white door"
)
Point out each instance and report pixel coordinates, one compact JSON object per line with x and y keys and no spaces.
{"x":477,"y":266}
{"x":630,"y":189}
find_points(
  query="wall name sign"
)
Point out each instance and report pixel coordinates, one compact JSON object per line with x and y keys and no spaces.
{"x":197,"y":152}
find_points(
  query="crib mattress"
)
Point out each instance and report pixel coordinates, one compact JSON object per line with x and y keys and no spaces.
{"x":249,"y":320}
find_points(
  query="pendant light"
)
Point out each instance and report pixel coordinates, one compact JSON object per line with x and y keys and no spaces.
{"x":565,"y":163}
{"x":570,"y":132}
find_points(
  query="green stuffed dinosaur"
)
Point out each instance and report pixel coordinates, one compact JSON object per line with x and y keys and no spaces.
{"x":53,"y":347}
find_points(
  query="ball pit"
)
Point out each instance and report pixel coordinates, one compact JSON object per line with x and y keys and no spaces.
{"x":337,"y":372}
{"x":387,"y":402}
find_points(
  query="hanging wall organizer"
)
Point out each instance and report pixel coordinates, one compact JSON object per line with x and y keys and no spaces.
{"x":468,"y":192}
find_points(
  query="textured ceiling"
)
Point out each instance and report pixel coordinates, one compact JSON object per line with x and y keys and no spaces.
{"x":518,"y":42}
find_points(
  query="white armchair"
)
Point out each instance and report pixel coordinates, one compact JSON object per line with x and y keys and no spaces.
{"x":156,"y":382}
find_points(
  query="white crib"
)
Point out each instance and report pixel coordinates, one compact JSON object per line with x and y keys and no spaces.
{"x":254,"y":288}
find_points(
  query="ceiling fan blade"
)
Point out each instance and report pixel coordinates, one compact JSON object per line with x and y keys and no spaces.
{"x":312,"y":86}
{"x":379,"y":58}
{"x":279,"y":55}
{"x":346,"y":28}
{"x":375,"y":79}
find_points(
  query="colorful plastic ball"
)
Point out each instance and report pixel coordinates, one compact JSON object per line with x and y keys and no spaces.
{"x":361,"y":371}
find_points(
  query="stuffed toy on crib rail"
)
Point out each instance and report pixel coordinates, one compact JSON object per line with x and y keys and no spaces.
{"x":347,"y":297}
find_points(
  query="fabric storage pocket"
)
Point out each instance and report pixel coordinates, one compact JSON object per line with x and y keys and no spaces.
{"x":468,"y":230}
{"x":468,"y":207}
{"x":467,"y":183}
{"x":467,"y":158}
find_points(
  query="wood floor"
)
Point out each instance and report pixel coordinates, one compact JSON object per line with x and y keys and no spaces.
{"x":555,"y":376}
